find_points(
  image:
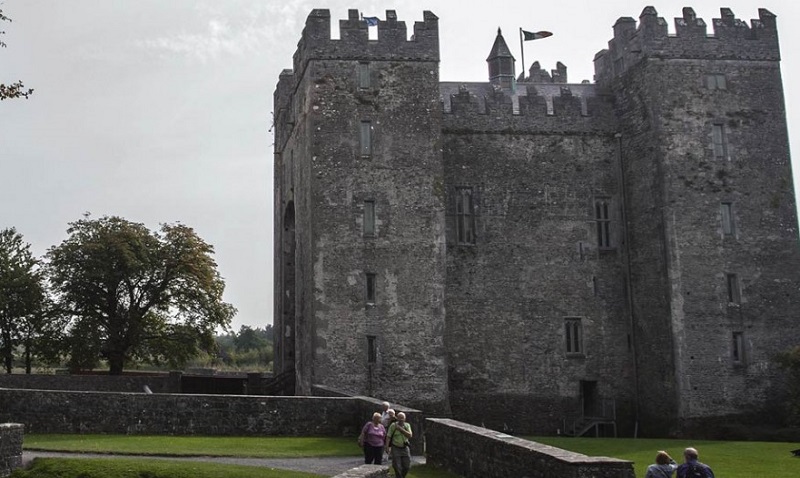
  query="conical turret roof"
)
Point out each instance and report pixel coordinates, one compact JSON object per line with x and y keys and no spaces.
{"x":500,"y":49}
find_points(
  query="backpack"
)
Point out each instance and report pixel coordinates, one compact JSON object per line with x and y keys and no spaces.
{"x":696,"y":470}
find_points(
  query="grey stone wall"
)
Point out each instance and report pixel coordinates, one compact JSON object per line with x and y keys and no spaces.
{"x":11,"y":435}
{"x":680,"y":255}
{"x":535,"y":260}
{"x":158,"y":383}
{"x":365,"y":471}
{"x":326,"y":178}
{"x":472,"y":451}
{"x":43,"y":411}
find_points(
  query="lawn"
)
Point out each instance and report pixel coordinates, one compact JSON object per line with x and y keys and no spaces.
{"x":253,"y":447}
{"x":728,"y":459}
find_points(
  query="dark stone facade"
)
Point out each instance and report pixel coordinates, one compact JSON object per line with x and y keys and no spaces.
{"x":544,"y":250}
{"x":11,"y":436}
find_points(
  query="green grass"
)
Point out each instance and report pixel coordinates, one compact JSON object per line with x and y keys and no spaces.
{"x":728,"y":459}
{"x":253,"y":447}
{"x":133,"y":468}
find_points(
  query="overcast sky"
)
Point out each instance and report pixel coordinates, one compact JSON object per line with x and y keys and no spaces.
{"x":159,"y":111}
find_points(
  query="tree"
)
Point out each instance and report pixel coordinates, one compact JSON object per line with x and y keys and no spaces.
{"x":21,"y":292}
{"x":136,"y":295}
{"x":12,"y":90}
{"x":249,"y":339}
{"x":790,"y":362}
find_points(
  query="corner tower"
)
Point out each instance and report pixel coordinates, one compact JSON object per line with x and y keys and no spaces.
{"x":713,"y":245}
{"x":359,"y":174}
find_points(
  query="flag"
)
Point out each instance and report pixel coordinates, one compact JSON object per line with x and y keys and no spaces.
{"x":371,"y":21}
{"x":534,"y":35}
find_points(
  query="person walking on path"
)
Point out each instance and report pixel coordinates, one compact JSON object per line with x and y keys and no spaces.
{"x":663,"y":467}
{"x":372,"y":440}
{"x":693,"y":468}
{"x":399,"y":446}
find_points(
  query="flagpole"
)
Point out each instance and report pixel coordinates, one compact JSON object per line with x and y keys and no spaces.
{"x":522,"y":49}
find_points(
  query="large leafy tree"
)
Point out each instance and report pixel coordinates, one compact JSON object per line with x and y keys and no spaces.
{"x":136,"y":295}
{"x":21,"y":293}
{"x":11,"y":90}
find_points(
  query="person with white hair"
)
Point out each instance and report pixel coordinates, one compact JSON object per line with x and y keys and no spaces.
{"x":693,"y":468}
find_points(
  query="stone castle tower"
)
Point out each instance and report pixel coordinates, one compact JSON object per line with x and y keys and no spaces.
{"x":625,"y":250}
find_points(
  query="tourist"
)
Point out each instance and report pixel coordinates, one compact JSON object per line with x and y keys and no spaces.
{"x":663,"y":467}
{"x":385,"y":414}
{"x":693,"y":468}
{"x":388,"y":419}
{"x":399,"y":446}
{"x":372,"y":439}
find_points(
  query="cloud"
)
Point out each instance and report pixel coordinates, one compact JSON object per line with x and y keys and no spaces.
{"x":225,"y":31}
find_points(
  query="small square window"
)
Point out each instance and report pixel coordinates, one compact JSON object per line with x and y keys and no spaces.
{"x":716,"y":81}
{"x":737,"y":348}
{"x":573,"y":333}
{"x":371,"y":285}
{"x":369,"y":218}
{"x":734,"y":293}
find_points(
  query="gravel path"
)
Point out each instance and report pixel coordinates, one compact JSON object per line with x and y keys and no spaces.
{"x":325,"y":466}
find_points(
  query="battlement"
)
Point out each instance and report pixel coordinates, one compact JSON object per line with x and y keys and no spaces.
{"x":534,"y":109}
{"x":732,"y":39}
{"x":354,"y":43}
{"x":536,"y":74}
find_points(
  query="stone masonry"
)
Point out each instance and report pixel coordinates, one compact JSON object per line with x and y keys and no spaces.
{"x":624,"y":250}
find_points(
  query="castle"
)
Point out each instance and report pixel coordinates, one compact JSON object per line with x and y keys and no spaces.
{"x":533,"y":254}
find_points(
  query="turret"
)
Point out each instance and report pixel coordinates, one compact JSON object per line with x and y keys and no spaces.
{"x":501,"y":64}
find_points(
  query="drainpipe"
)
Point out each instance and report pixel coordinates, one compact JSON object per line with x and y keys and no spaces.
{"x":628,"y":288}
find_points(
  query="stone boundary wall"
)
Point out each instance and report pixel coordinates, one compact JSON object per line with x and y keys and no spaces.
{"x":11,"y":435}
{"x":158,"y":383}
{"x":468,"y":450}
{"x":48,"y":411}
{"x":365,"y":471}
{"x":370,"y":405}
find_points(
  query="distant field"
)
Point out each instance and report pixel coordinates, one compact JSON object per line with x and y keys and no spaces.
{"x":728,"y":459}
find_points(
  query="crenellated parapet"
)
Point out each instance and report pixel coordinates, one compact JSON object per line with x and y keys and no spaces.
{"x":541,"y":108}
{"x":731,"y":39}
{"x":354,"y":43}
{"x":536,"y":74}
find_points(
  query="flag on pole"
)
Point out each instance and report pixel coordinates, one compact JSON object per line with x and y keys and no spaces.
{"x":534,"y":35}
{"x":371,"y":21}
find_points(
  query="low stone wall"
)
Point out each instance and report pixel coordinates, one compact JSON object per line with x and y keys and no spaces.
{"x":157,"y":382}
{"x":365,"y":471}
{"x":370,"y":405}
{"x":11,"y":435}
{"x":472,"y":451}
{"x":48,"y":411}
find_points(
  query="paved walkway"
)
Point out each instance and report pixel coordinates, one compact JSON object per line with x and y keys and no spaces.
{"x":325,"y":466}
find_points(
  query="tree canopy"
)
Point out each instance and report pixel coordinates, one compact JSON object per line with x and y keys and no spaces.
{"x":134,"y":294}
{"x":22,"y":296}
{"x":16,"y":89}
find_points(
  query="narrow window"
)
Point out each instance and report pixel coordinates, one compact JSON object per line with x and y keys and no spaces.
{"x":465,"y":216}
{"x":372,"y":351}
{"x":720,"y":141}
{"x":716,"y":81}
{"x":728,"y":227}
{"x":573,"y":333}
{"x":366,"y":138}
{"x":734,"y":295}
{"x":370,"y":293}
{"x":737,"y":350}
{"x":369,"y":218}
{"x":363,"y":75}
{"x":602,"y":218}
